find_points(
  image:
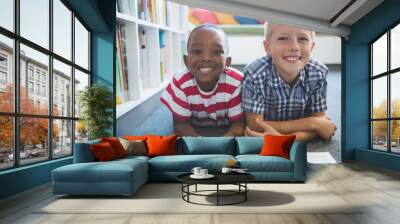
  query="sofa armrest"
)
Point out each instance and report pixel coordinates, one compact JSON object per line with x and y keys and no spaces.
{"x":298,"y":155}
{"x":83,"y":152}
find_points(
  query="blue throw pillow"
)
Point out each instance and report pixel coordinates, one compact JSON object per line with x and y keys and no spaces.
{"x":249,"y":145}
{"x":208,"y":145}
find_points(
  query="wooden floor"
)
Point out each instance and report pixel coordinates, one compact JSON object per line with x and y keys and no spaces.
{"x":377,"y":188}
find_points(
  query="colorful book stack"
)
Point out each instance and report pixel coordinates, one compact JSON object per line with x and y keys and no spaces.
{"x":121,"y":70}
{"x":158,"y":11}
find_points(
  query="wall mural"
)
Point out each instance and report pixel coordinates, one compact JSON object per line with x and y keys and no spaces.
{"x":198,"y":16}
{"x":189,"y":111}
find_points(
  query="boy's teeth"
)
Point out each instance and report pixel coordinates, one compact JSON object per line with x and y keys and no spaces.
{"x":295,"y":58}
{"x":204,"y":70}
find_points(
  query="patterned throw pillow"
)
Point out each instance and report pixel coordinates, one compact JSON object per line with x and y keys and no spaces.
{"x":136,"y":147}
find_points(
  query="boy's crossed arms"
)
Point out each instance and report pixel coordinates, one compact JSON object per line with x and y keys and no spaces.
{"x":305,"y":129}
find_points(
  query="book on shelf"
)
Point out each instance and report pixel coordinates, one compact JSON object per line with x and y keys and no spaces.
{"x":162,"y":52}
{"x":148,"y":11}
{"x":140,"y":9}
{"x":144,"y":59}
{"x":125,"y":6}
{"x":173,"y":15}
{"x":118,"y":84}
{"x":183,"y":23}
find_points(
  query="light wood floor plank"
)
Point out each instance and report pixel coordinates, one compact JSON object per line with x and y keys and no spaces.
{"x":377,"y":190}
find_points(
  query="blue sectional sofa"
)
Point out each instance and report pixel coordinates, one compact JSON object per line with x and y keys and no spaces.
{"x":125,"y":176}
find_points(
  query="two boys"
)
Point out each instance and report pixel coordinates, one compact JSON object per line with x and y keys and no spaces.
{"x":283,"y":92}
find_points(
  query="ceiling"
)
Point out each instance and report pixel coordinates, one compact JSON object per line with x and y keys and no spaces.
{"x":326,"y":16}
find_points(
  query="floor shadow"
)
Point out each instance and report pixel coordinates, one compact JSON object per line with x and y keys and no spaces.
{"x":255,"y":198}
{"x":148,"y":191}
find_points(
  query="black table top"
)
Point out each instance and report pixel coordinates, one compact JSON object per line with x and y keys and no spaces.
{"x":220,"y":178}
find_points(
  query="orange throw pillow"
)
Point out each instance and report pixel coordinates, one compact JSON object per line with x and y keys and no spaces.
{"x":275,"y":145}
{"x":161,"y":145}
{"x":103,"y":151}
{"x":116,"y":145}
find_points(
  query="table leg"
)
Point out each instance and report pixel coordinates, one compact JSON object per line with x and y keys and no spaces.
{"x":188,"y":190}
{"x":217,"y":194}
{"x":182,"y":190}
{"x":245,"y":191}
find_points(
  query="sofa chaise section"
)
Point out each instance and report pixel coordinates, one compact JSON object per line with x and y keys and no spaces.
{"x":87,"y":177}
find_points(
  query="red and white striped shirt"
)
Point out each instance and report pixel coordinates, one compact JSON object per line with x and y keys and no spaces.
{"x":219,"y":107}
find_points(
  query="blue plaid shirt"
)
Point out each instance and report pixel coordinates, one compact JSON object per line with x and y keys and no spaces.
{"x":264,"y":92}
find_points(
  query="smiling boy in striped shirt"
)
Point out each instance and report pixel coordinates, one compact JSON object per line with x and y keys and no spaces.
{"x":205,"y":97}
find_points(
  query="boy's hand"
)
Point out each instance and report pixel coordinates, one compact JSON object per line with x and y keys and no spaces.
{"x":267,"y":130}
{"x":250,"y":133}
{"x":324,"y":127}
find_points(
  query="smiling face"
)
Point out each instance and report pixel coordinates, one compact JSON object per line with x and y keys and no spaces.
{"x":290,"y":49}
{"x":206,"y":57}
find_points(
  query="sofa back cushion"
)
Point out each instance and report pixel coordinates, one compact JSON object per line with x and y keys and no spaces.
{"x":249,"y":145}
{"x":83,"y":152}
{"x":208,"y":145}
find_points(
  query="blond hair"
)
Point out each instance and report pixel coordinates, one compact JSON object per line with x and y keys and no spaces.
{"x":267,"y":31}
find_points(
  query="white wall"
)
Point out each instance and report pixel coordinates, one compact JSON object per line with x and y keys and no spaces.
{"x":327,"y":49}
{"x":244,"y":49}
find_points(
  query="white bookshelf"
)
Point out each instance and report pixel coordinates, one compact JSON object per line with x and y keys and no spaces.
{"x":145,"y":74}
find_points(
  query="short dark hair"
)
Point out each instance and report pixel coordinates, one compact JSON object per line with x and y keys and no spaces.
{"x":212,"y":27}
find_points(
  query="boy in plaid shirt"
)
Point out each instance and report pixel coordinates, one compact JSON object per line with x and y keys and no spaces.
{"x":285,"y":91}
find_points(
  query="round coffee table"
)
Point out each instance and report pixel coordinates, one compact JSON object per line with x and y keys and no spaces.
{"x":238,"y":179}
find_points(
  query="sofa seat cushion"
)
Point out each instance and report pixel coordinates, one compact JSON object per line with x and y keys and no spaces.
{"x":257,"y":163}
{"x":133,"y":158}
{"x":112,"y":171}
{"x":185,"y":163}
